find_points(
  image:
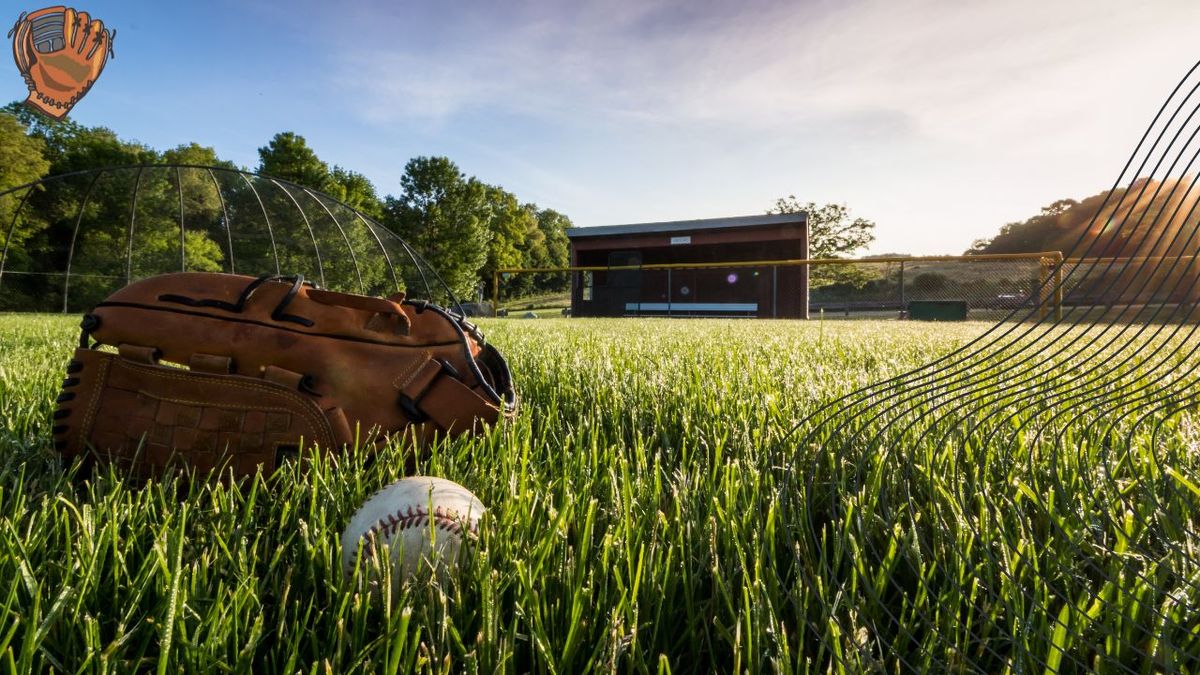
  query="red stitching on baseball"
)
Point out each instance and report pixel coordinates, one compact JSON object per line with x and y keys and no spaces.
{"x":448,"y":521}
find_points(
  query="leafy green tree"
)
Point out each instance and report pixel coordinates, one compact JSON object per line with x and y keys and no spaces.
{"x":1142,"y":220}
{"x":534,"y":253}
{"x":80,"y":217}
{"x":443,"y":215}
{"x":832,"y":233}
{"x":203,"y":215}
{"x":95,"y":148}
{"x":56,"y":134}
{"x":107,"y":227}
{"x":22,"y":160}
{"x":314,"y":236}
{"x":22,"y":157}
{"x":354,"y":189}
{"x":553,"y":250}
{"x":514,"y":237}
{"x":88,"y":232}
{"x":554,"y":226}
{"x":199,"y":188}
{"x":288,"y":156}
{"x":194,"y":153}
{"x":295,"y":244}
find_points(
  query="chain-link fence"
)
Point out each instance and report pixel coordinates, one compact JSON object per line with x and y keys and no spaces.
{"x":982,"y":287}
{"x":1133,"y":288}
{"x":975,"y":287}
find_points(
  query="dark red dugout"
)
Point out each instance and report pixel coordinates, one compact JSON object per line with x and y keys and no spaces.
{"x":765,"y":291}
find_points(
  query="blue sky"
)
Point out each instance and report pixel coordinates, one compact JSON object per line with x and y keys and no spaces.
{"x":939,"y":119}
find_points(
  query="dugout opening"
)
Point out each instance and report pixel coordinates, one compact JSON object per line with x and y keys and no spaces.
{"x":748,"y":291}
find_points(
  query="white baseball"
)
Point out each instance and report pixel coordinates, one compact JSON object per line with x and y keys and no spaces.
{"x":419,"y":519}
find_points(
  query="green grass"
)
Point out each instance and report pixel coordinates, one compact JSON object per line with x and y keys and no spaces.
{"x":546,"y":304}
{"x":634,"y":524}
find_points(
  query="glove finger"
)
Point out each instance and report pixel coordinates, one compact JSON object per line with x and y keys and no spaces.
{"x":97,"y":38}
{"x":20,"y":20}
{"x":80,"y":37}
{"x":69,"y":23}
{"x":23,"y":48}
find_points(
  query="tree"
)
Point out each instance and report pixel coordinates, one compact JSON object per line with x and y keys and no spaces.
{"x":1148,"y":220}
{"x":832,"y":233}
{"x":930,"y":282}
{"x":74,"y":223}
{"x":555,"y":250}
{"x":56,"y":134}
{"x":22,"y":157}
{"x":108,"y":225}
{"x":288,"y":156}
{"x":194,"y":153}
{"x":22,"y":160}
{"x":354,"y":189}
{"x":443,"y":215}
{"x":1043,"y":232}
{"x":83,"y":148}
{"x":514,"y":231}
{"x":202,"y":204}
{"x":299,"y":247}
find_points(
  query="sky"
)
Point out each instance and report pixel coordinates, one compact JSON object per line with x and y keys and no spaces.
{"x":939,"y":120}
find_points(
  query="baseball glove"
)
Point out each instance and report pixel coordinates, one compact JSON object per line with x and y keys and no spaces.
{"x":228,"y":371}
{"x":60,"y":53}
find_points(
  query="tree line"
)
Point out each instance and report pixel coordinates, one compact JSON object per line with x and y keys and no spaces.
{"x":465,"y":227}
{"x":1137,"y":244}
{"x":1149,"y":218}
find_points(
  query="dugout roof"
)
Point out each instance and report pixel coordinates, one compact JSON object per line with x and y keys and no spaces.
{"x":688,"y":225}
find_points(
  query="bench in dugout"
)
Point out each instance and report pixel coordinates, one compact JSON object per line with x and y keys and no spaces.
{"x":733,"y":309}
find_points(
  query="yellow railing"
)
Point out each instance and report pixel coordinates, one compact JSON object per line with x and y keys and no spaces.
{"x":1051,"y":264}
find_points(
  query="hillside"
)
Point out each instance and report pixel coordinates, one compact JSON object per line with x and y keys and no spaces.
{"x":1137,"y":245}
{"x":1147,"y":219}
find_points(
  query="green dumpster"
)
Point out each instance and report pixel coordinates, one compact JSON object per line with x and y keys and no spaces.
{"x":938,"y":310}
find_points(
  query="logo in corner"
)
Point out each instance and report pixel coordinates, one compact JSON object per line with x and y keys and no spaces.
{"x":60,"y":53}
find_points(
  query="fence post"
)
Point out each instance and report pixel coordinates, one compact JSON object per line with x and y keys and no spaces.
{"x":774,"y":291}
{"x":496,"y":292}
{"x":805,"y":279}
{"x":1044,"y":293}
{"x":1058,"y":288}
{"x":901,"y":287}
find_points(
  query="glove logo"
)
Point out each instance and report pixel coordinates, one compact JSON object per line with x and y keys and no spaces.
{"x":60,"y":53}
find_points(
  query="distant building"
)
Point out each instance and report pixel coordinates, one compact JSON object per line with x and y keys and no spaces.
{"x":760,"y":291}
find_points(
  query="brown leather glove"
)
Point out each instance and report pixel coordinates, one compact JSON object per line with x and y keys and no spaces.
{"x":60,"y":53}
{"x":264,"y":367}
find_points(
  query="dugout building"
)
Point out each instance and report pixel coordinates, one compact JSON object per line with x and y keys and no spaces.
{"x":764,"y":291}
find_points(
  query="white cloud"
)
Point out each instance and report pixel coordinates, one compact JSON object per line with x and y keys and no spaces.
{"x":937,"y":96}
{"x":761,"y":64}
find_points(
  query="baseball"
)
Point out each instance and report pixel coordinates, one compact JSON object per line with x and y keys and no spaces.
{"x":420,"y":520}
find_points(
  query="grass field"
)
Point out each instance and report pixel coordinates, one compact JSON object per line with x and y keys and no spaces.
{"x":634,"y":525}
